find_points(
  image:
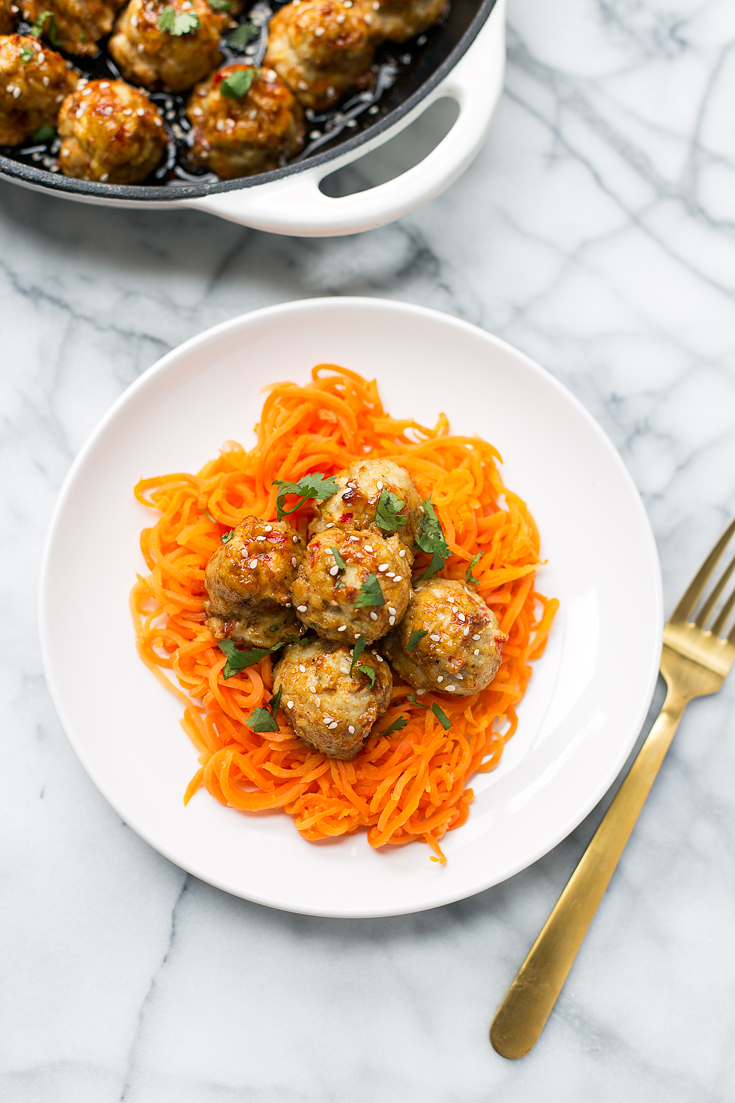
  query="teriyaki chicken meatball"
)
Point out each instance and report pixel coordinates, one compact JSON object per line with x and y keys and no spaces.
{"x":399,"y":20}
{"x":111,"y":132}
{"x":365,"y":486}
{"x":73,"y":25}
{"x":353,"y":583}
{"x":33,"y":82}
{"x":154,"y":50}
{"x":321,"y":49}
{"x":329,"y":708}
{"x":460,"y":645}
{"x":241,"y":130}
{"x":248,"y":582}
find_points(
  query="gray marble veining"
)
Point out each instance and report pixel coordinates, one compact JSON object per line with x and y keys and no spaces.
{"x":595,"y":232}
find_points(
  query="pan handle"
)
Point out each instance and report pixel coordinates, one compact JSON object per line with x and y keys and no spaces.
{"x":296,"y":206}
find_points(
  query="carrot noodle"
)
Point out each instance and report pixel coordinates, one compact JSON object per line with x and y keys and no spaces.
{"x":411,"y":784}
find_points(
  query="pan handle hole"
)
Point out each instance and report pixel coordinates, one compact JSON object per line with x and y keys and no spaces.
{"x":397,"y":156}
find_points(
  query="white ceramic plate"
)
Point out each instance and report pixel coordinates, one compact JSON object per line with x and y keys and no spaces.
{"x":586,"y":701}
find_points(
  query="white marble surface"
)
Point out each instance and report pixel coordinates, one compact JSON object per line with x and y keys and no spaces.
{"x":595,"y":231}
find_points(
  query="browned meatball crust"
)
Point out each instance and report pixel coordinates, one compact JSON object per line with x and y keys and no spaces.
{"x":328,"y":708}
{"x":399,"y":20}
{"x":158,"y":58}
{"x":462,"y":647}
{"x":111,"y":132}
{"x":326,"y":597}
{"x":77,"y":25}
{"x":321,"y":49}
{"x":33,"y":82}
{"x":239,"y":137}
{"x":7,"y":16}
{"x":360,"y":488}
{"x":260,"y":625}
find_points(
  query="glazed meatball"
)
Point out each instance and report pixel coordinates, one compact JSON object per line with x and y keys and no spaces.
{"x":356,"y":502}
{"x":73,"y":25}
{"x":328,"y":708}
{"x":462,"y":648}
{"x":399,"y":20}
{"x":111,"y":132}
{"x":328,"y":598}
{"x":321,"y":49}
{"x":7,"y":16}
{"x":239,"y":137}
{"x":249,"y":580}
{"x":33,"y":82}
{"x":158,"y":58}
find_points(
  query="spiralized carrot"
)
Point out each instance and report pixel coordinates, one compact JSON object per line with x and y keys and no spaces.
{"x":411,"y":784}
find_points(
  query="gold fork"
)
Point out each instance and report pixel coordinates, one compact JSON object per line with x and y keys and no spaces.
{"x":694,"y":662}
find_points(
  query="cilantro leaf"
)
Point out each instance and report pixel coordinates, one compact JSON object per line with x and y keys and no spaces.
{"x":44,"y":134}
{"x":415,"y":638}
{"x":387,"y":515}
{"x":370,"y":593}
{"x":430,"y":538}
{"x":468,"y":575}
{"x":209,"y":515}
{"x":177,"y":23}
{"x":220,"y":5}
{"x":398,"y":724}
{"x":226,"y":536}
{"x":235,"y":87}
{"x":241,"y":35}
{"x":265,"y":719}
{"x":308,"y":486}
{"x":440,"y":714}
{"x":37,"y":28}
{"x":369,"y":673}
{"x":338,"y":559}
{"x":238,"y":660}
{"x":412,"y":698}
{"x":26,"y":53}
{"x":358,"y":649}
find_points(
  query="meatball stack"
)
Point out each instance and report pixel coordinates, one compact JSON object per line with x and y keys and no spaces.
{"x":352,"y":586}
{"x":245,"y":119}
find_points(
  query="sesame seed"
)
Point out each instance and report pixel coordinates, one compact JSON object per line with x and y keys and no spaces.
{"x":302,"y":668}
{"x":328,"y":719}
{"x":466,"y":632}
{"x":380,"y":485}
{"x":434,"y":638}
{"x":330,"y":525}
{"x":288,"y":604}
{"x":312,"y":689}
{"x":373,"y":616}
{"x":301,"y":608}
{"x":391,"y":574}
{"x":294,"y":561}
{"x":462,"y":617}
{"x":391,"y":620}
{"x":369,"y":548}
{"x":455,"y":609}
{"x":289,"y":704}
{"x":383,"y":566}
{"x":391,"y":610}
{"x":476,"y":637}
{"x":351,"y":729}
{"x":104,"y":84}
{"x":261,"y":538}
{"x":294,"y":539}
{"x":378,"y":657}
{"x":269,"y":528}
{"x":460,"y":676}
{"x":440,"y":678}
{"x":334,"y":570}
{"x":253,"y":564}
{"x":342,"y":628}
{"x":451,"y":689}
{"x":476,"y":651}
{"x":402,"y":553}
{"x":420,"y":692}
{"x":319,"y":32}
{"x":334,"y":725}
{"x":398,"y":578}
{"x":345,"y":669}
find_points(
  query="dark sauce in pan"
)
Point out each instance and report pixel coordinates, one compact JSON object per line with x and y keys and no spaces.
{"x":393,"y":67}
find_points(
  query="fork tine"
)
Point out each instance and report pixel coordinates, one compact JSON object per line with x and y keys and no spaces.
{"x":722,"y":620}
{"x":713,"y":598}
{"x":698,"y":583}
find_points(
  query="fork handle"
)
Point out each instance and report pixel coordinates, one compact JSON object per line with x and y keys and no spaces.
{"x":528,"y":1002}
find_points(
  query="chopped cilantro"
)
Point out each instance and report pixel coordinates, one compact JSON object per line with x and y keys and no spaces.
{"x":468,"y":575}
{"x":238,"y":660}
{"x":209,"y":515}
{"x":358,"y":649}
{"x":369,"y":673}
{"x":26,"y":53}
{"x":440,"y":714}
{"x":264,"y":719}
{"x":415,"y":637}
{"x":220,"y":5}
{"x":338,"y":559}
{"x":177,"y":23}
{"x":398,"y":724}
{"x":38,"y":27}
{"x":234,"y":87}
{"x":241,"y":35}
{"x":430,"y":538}
{"x":370,"y":593}
{"x":227,"y":536}
{"x":44,"y":134}
{"x":387,"y":515}
{"x":308,"y":486}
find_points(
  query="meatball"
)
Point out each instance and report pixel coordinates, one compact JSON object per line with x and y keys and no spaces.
{"x":73,"y":25}
{"x":399,"y":20}
{"x":248,"y":582}
{"x":321,"y":49}
{"x":7,"y":16}
{"x":33,"y":82}
{"x":329,"y":598}
{"x":255,"y":133}
{"x":462,"y":646}
{"x":328,"y":708}
{"x":356,"y":502}
{"x":158,"y":58}
{"x":111,"y":132}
